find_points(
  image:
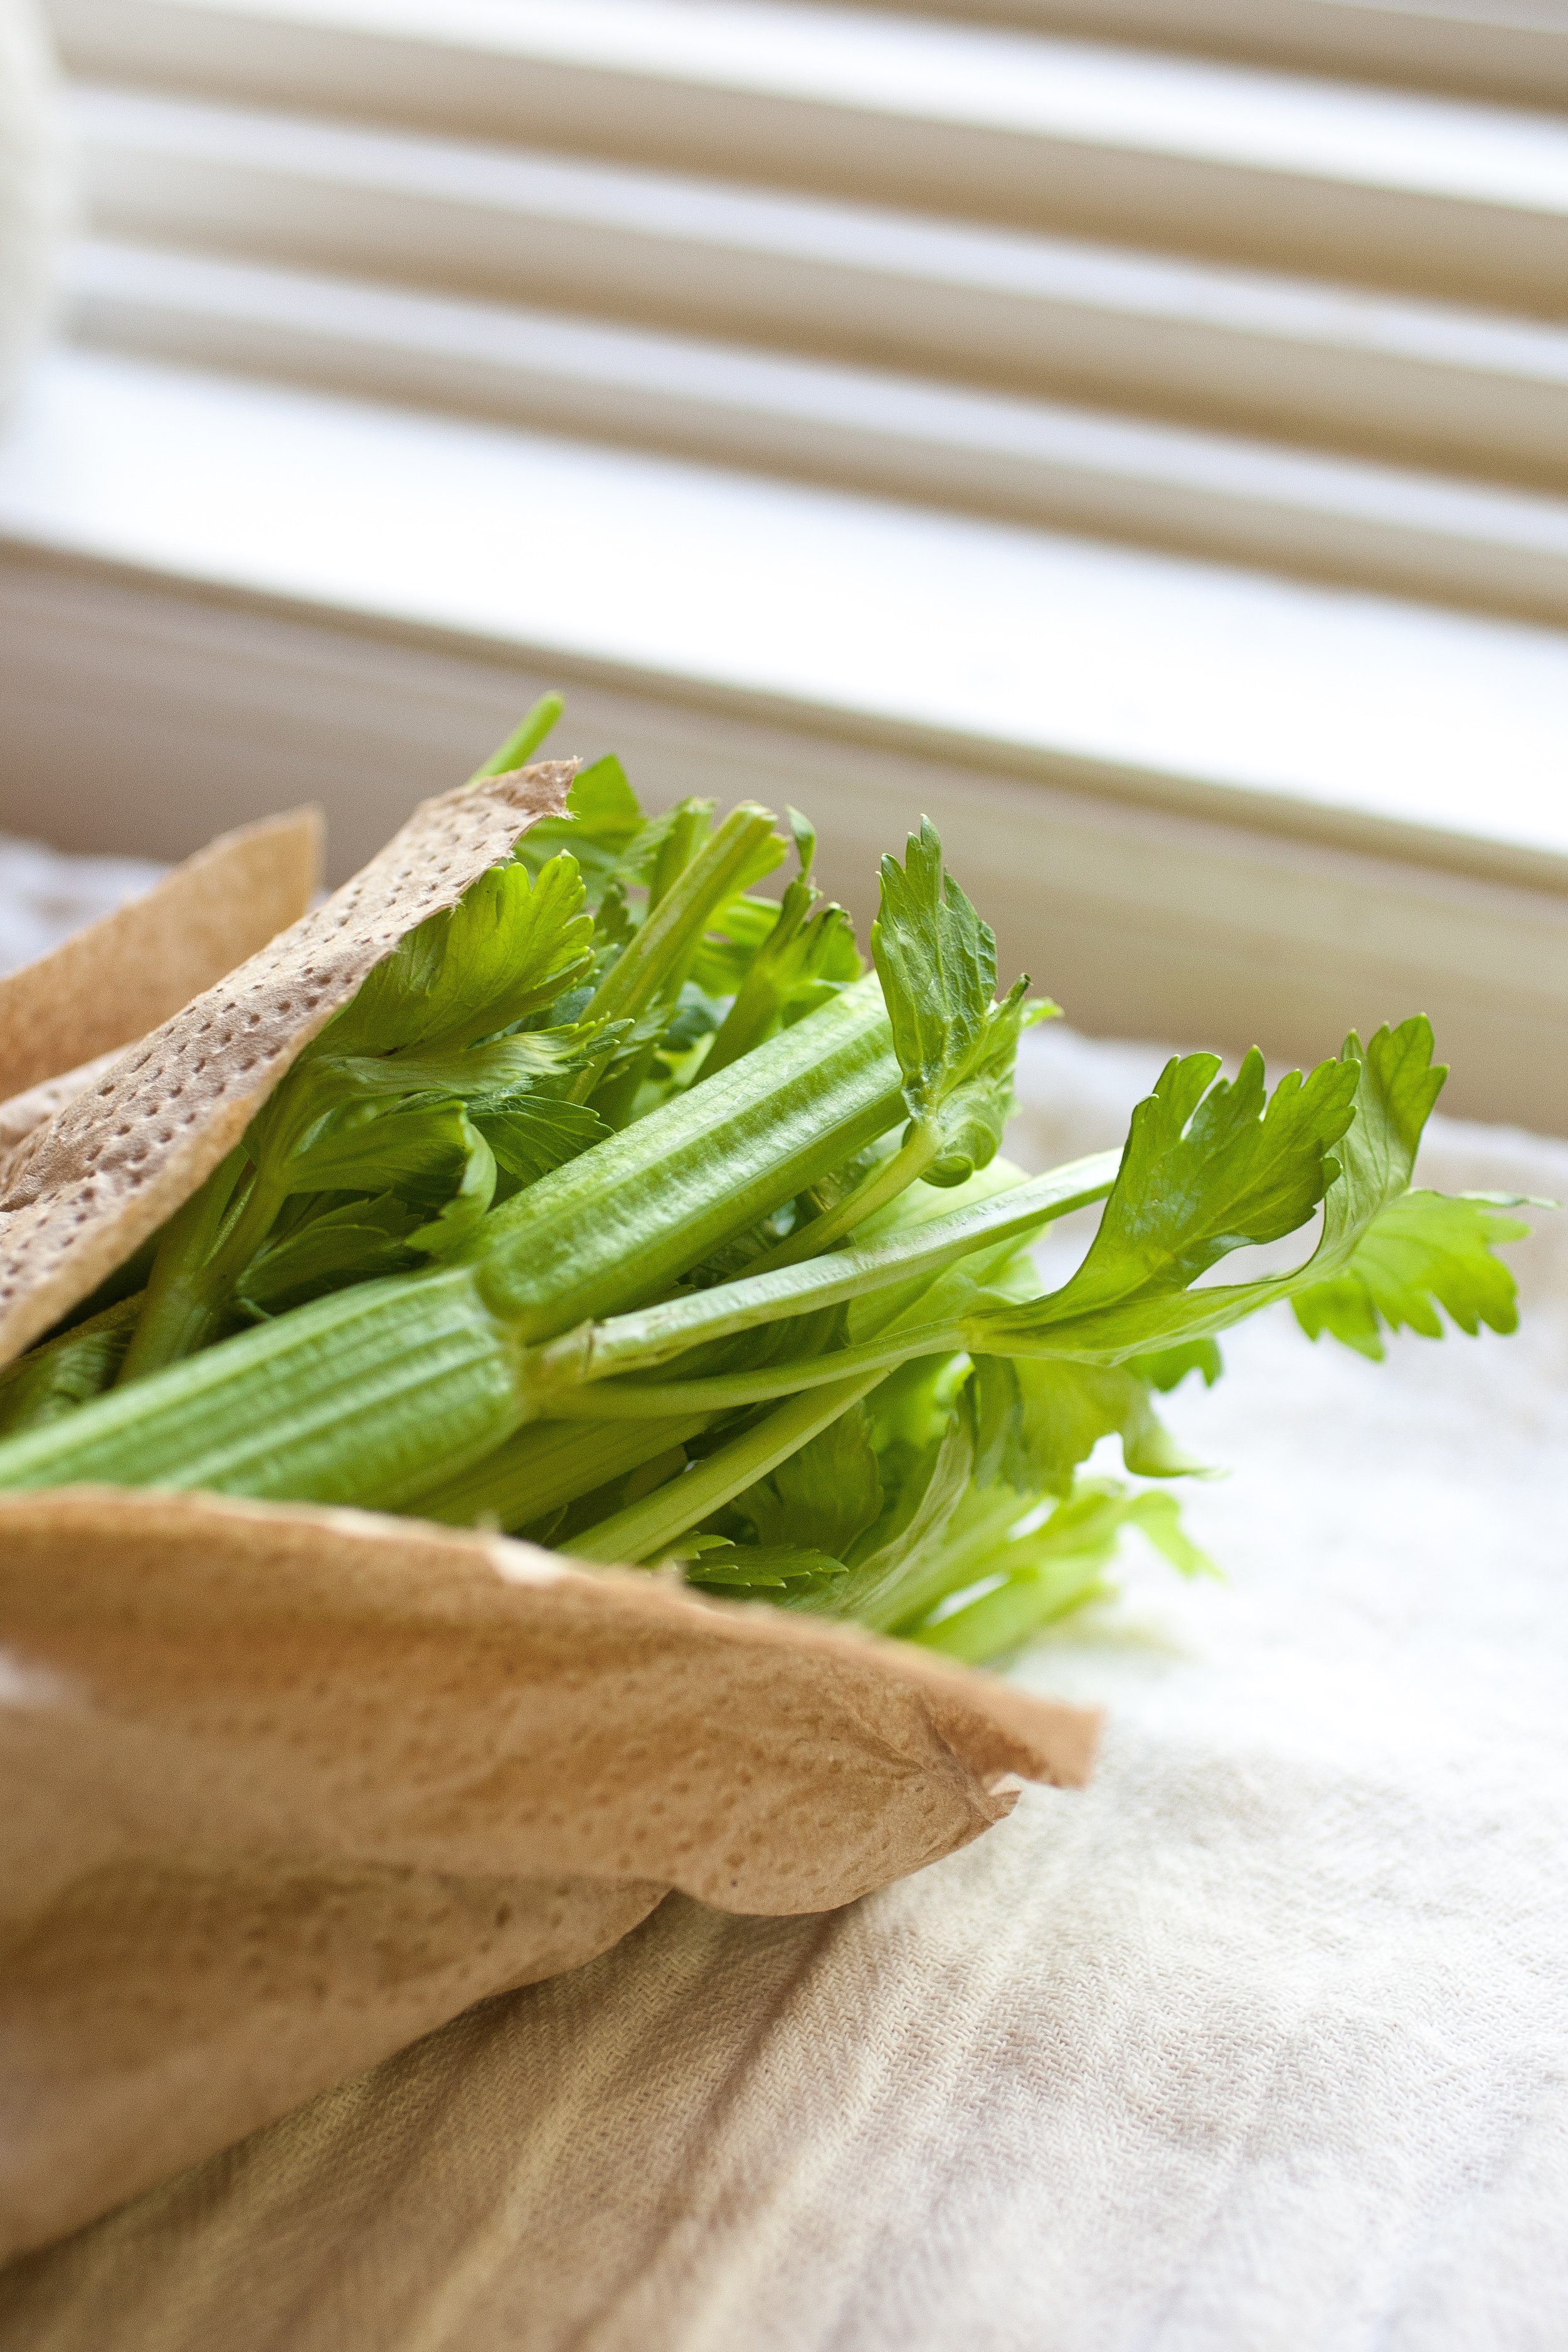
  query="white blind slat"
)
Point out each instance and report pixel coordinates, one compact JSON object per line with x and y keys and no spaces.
{"x":1375,"y":186}
{"x":1515,"y":50}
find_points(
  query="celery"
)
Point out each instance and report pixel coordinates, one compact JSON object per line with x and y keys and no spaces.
{"x":546,"y":1464}
{"x":592,"y":1216}
{"x":649,"y":1527}
{"x":523,"y":742}
{"x":50,"y":1380}
{"x":257,"y":1413}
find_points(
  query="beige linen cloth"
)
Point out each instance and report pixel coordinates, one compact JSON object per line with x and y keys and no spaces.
{"x":1260,"y":2043}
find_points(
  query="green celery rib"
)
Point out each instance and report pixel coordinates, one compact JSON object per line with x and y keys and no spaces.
{"x":1013,"y":1611}
{"x":644,"y":1341}
{"x":620,"y":1223}
{"x":523,"y":742}
{"x":683,"y":842}
{"x":546,"y":1464}
{"x":957,"y":1562}
{"x":182,"y":1306}
{"x":654,"y":963}
{"x":643,"y":1528}
{"x":351,"y":1398}
{"x":903,"y":1168}
{"x":640,"y":1400}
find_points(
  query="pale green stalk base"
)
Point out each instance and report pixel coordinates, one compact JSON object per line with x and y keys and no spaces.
{"x":906,"y":1167}
{"x":1013,"y":1612}
{"x":640,"y":1400}
{"x":957,"y":1563}
{"x":645,"y":1528}
{"x":547,"y":1463}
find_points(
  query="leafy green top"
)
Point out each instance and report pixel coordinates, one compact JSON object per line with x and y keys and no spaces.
{"x":937,"y":963}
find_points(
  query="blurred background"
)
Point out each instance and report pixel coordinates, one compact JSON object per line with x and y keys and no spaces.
{"x":1135,"y":432}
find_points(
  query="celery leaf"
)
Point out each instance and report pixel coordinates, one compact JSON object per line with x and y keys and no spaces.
{"x":794,"y":968}
{"x":531,"y":1134}
{"x":777,"y":1570}
{"x":353,"y":1242}
{"x":937,"y":963}
{"x":1040,"y":1419}
{"x":1207,"y":1169}
{"x":822,"y":1498}
{"x":1422,"y":1251}
{"x":430,"y":1154}
{"x":1210,"y":1165}
{"x":602,"y":822}
{"x":511,"y":946}
{"x":1167,"y":1367}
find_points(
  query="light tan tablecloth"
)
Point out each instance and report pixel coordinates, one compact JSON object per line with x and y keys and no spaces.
{"x":1260,"y":2043}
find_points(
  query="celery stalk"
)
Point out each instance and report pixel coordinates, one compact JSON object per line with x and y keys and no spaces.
{"x":643,"y":1528}
{"x":187,"y":1288}
{"x":656,"y":961}
{"x":547,"y":1463}
{"x":616,"y":1226}
{"x":355,"y":1398}
{"x":523,"y":742}
{"x":648,"y":1338}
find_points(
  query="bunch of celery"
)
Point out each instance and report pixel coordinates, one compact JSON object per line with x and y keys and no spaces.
{"x":621,"y":1209}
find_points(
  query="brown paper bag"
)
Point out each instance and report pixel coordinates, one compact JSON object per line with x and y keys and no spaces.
{"x":285,"y":1787}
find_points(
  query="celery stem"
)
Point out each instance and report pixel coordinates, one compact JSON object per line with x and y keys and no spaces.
{"x":636,"y":1399}
{"x":758,"y":1000}
{"x":884,"y":1183}
{"x":645,"y":1527}
{"x":185,"y":1302}
{"x":547,"y":1463}
{"x":653,"y":1335}
{"x":681,"y":845}
{"x":523,"y":742}
{"x":655,"y":963}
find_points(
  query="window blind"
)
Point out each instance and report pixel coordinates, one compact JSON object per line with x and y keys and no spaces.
{"x":1191,"y":302}
{"x":1133,"y":430}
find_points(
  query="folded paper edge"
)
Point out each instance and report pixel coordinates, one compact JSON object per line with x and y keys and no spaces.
{"x":81,"y":1193}
{"x":997,"y":1732}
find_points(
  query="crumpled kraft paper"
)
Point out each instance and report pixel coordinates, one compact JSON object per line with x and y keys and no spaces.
{"x":286,"y":1787}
